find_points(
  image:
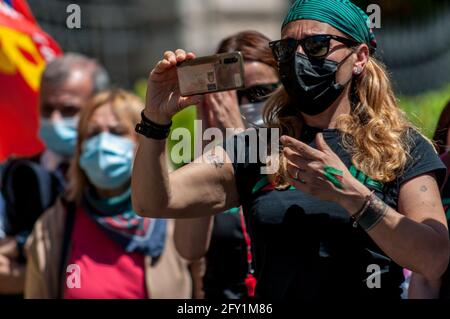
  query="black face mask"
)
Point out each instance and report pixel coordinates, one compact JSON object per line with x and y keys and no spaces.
{"x":311,"y":84}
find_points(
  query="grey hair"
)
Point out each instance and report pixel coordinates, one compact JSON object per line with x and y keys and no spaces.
{"x":58,"y":70}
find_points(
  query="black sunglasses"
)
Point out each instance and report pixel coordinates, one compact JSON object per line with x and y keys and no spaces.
{"x":258,"y":93}
{"x":316,"y":46}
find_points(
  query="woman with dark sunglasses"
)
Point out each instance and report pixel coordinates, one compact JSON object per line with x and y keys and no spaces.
{"x":357,"y":194}
{"x":223,"y":240}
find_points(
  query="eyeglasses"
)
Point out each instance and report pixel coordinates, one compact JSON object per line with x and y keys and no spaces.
{"x":258,"y":93}
{"x":316,"y":46}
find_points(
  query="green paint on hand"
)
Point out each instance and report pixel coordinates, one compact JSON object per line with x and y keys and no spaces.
{"x":334,"y":175}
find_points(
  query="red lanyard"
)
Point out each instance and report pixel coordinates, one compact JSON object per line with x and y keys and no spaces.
{"x":250,"y":280}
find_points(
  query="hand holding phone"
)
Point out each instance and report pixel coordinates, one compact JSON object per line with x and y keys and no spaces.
{"x":215,"y":73}
{"x":163,"y":98}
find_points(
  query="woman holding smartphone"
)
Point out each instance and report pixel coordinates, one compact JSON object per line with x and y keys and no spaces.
{"x":357,"y":194}
{"x":223,"y":239}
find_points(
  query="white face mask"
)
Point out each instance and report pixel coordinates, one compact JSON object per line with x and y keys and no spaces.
{"x":252,"y":114}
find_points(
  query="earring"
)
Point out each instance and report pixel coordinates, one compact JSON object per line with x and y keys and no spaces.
{"x":357,"y":70}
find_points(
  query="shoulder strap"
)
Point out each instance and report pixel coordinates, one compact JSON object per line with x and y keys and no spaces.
{"x":68,"y":228}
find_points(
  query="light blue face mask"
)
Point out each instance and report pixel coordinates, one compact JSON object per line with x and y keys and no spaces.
{"x":60,"y":136}
{"x":107,"y":160}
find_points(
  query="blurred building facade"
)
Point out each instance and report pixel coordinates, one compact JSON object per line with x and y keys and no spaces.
{"x":414,"y":43}
{"x":128,"y":37}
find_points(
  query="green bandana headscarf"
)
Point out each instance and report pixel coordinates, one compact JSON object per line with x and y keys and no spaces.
{"x":341,"y":14}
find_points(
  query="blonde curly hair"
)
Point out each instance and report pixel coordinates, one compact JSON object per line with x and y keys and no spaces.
{"x":375,"y":132}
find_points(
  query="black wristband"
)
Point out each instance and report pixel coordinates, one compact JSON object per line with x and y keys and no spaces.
{"x":151,"y":129}
{"x":146,"y":120}
{"x":355,"y":217}
{"x":372,"y":215}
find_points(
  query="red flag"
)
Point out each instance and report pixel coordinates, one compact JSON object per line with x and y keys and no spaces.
{"x":22,"y":7}
{"x":24,"y":51}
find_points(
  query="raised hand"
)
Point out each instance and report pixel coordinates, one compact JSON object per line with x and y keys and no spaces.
{"x":320,"y":172}
{"x":222,"y":110}
{"x":163,"y":98}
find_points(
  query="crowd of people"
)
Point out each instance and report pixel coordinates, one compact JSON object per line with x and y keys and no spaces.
{"x":103,"y":214}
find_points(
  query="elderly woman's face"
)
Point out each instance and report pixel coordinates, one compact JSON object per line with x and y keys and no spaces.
{"x":338,"y":51}
{"x":105,"y":120}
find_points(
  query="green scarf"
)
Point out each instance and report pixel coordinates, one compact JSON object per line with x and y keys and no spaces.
{"x":340,"y":14}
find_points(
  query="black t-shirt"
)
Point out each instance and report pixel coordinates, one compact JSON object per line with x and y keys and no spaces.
{"x":306,"y":248}
{"x":28,"y":190}
{"x":226,"y":260}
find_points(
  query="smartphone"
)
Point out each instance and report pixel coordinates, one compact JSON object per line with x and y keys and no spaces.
{"x":215,"y":73}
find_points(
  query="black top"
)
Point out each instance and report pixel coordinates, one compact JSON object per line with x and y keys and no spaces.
{"x":28,"y":190}
{"x":226,"y":260}
{"x":306,"y":248}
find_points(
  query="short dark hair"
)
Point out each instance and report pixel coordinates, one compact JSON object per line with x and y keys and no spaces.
{"x":58,"y":70}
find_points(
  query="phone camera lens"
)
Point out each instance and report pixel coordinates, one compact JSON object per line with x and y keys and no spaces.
{"x":230,"y":60}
